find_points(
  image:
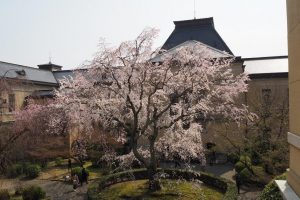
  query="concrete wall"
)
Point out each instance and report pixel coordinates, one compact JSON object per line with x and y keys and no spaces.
{"x":293,"y":15}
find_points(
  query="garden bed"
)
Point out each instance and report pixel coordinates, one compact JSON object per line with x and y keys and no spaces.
{"x":171,"y":189}
{"x":221,"y":184}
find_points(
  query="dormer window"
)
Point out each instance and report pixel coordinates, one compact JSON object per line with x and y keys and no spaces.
{"x":21,"y":72}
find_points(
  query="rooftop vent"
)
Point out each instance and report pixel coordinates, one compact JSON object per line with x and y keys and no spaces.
{"x":50,"y":67}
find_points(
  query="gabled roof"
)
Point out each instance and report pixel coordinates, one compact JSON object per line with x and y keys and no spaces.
{"x":211,"y":52}
{"x":201,"y":30}
{"x":9,"y":70}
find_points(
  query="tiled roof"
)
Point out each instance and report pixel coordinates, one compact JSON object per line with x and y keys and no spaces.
{"x":201,"y":30}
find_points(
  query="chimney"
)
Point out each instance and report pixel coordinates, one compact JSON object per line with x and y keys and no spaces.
{"x":50,"y":67}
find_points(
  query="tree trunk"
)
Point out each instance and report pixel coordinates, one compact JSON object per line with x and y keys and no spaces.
{"x":154,"y":183}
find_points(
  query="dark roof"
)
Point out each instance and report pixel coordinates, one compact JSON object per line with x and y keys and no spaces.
{"x":269,"y":75}
{"x":201,"y":30}
{"x":38,"y":76}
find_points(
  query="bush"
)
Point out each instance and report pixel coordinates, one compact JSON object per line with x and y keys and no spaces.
{"x":15,"y":170}
{"x":77,"y":171}
{"x":25,"y":166}
{"x":4,"y":195}
{"x":271,"y":191}
{"x":246,"y":160}
{"x":58,"y":161}
{"x":246,"y":175}
{"x":233,"y":158}
{"x":33,"y":193}
{"x":33,"y":171}
{"x":239,"y":166}
{"x":44,"y":164}
{"x":95,"y":156}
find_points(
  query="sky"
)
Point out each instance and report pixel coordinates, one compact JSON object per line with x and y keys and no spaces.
{"x":68,"y":31}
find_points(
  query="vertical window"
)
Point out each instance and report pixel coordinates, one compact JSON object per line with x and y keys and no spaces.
{"x":11,"y":102}
{"x":266,"y":95}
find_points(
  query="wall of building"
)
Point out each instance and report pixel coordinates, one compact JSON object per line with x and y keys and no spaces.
{"x":225,"y":136}
{"x":293,"y":14}
{"x":21,"y":90}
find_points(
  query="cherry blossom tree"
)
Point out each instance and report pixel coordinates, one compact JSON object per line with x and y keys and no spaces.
{"x":158,"y":107}
{"x":34,"y":121}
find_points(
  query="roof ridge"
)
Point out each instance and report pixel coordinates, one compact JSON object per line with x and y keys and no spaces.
{"x":22,"y":66}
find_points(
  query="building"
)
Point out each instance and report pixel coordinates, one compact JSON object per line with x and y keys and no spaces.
{"x":291,"y":188}
{"x":266,"y":83}
{"x":263,"y":84}
{"x":17,"y":84}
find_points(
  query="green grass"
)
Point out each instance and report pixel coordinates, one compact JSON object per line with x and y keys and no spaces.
{"x":171,"y":189}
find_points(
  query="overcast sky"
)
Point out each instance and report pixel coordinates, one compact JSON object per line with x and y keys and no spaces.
{"x":70,"y":29}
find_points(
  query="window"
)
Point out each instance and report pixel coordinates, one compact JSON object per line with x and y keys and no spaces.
{"x":11,"y":102}
{"x":266,"y":95}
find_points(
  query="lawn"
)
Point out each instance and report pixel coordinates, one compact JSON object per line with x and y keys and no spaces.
{"x":172,"y":189}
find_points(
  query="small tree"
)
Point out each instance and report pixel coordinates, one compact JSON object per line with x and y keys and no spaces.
{"x":156,"y":107}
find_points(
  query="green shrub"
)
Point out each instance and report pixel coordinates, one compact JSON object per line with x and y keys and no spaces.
{"x":58,"y":161}
{"x":33,"y":193}
{"x":239,"y":166}
{"x":77,"y":171}
{"x":271,"y":191}
{"x":246,"y":160}
{"x":4,"y":195}
{"x":233,"y":158}
{"x":44,"y":164}
{"x":25,"y":166}
{"x":33,"y":171}
{"x":14,"y":170}
{"x":246,"y":175}
{"x":95,"y":156}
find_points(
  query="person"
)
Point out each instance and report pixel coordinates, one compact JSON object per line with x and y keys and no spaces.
{"x":84,"y":176}
{"x":238,"y":181}
{"x":69,"y":165}
{"x":75,"y":181}
{"x":177,"y":163}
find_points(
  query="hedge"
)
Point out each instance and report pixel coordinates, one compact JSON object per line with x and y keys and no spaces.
{"x":33,"y":193}
{"x":33,"y":171}
{"x":14,"y":171}
{"x":271,"y":191}
{"x":4,"y":195}
{"x":222,"y":184}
